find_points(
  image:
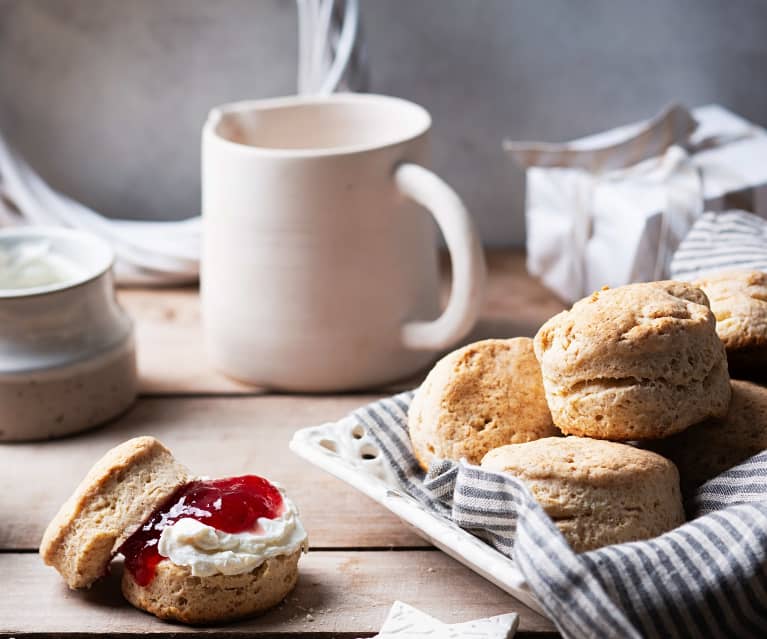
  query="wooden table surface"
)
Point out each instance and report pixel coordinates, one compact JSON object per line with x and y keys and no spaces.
{"x":362,"y":558}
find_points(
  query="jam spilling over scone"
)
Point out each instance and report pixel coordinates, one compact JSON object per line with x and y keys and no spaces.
{"x":232,"y":505}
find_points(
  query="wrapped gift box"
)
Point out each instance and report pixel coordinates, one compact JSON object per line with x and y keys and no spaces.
{"x":611,"y":208}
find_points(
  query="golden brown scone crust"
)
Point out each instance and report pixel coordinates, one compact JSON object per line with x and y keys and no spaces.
{"x":175,"y":594}
{"x":715,"y":445}
{"x":641,"y":361}
{"x":597,"y":492}
{"x":478,"y":397}
{"x":739,"y":303}
{"x":117,"y":495}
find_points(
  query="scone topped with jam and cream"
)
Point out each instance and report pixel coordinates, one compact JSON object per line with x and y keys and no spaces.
{"x":203,"y":551}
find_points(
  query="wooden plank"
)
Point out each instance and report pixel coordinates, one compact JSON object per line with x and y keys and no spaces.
{"x":346,"y":593}
{"x":169,"y":346}
{"x":169,"y":335}
{"x":515,"y":304}
{"x":515,"y":296}
{"x":212,"y":436}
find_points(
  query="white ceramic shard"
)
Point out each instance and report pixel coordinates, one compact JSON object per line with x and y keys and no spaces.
{"x":406,"y":622}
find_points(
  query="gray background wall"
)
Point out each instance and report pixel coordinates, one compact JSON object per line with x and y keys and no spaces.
{"x":106,"y":97}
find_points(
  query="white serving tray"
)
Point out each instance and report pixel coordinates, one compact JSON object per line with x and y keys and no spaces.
{"x":344,"y":449}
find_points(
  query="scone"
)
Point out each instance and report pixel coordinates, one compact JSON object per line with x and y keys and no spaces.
{"x":117,"y":495}
{"x":177,"y":595}
{"x":217,"y":550}
{"x":715,"y":445}
{"x":478,"y":397}
{"x":739,"y":303}
{"x":597,"y":492}
{"x":198,"y":551}
{"x":641,"y":361}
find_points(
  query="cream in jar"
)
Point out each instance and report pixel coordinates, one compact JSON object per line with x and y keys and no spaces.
{"x":32,"y":263}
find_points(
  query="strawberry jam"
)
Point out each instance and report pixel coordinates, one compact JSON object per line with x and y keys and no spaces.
{"x":232,"y":505}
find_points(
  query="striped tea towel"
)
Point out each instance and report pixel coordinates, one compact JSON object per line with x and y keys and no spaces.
{"x":707,"y":578}
{"x":721,"y":241}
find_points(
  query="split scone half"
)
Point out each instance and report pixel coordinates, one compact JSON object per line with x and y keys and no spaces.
{"x":198,"y":551}
{"x":117,"y":495}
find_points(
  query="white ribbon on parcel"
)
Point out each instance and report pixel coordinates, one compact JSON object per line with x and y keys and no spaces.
{"x":612,"y":208}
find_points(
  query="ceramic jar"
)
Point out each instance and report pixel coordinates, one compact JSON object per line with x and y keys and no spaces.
{"x":67,"y":356}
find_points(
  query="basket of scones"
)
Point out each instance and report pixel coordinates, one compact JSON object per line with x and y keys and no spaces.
{"x":611,"y":459}
{"x":606,"y":401}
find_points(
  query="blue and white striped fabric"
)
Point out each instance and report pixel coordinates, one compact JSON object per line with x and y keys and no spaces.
{"x":721,"y":241}
{"x":707,"y":578}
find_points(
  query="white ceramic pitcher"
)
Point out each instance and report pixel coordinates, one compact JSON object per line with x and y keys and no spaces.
{"x":319,"y":268}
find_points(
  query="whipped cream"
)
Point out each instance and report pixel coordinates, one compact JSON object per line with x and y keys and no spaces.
{"x":208,"y":551}
{"x":33,"y":263}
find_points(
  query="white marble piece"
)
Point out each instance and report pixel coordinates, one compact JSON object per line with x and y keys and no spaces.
{"x":406,"y":622}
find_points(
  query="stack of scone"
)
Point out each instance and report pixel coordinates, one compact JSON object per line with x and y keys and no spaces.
{"x":638,"y":363}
